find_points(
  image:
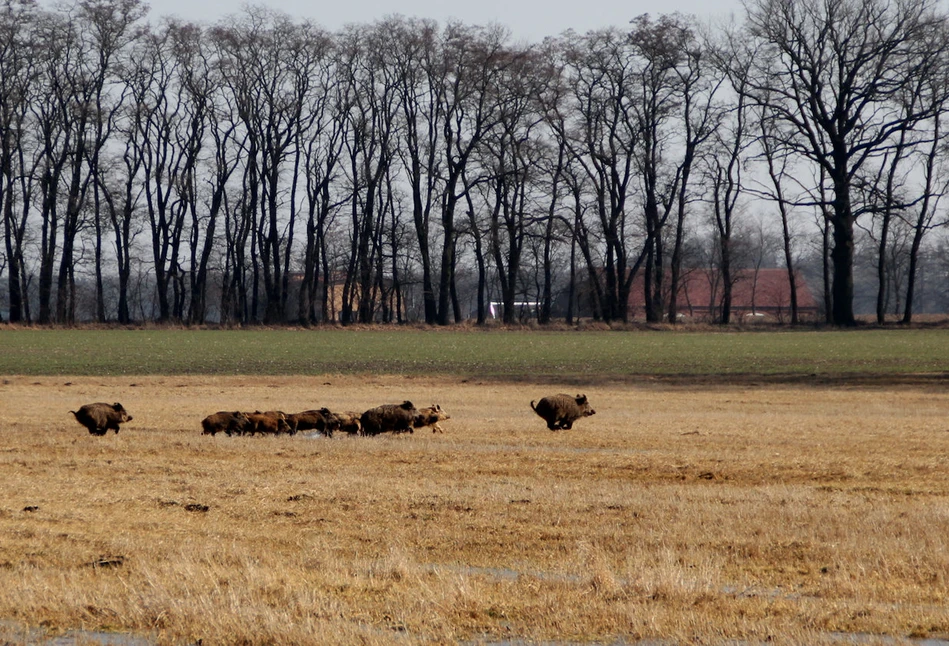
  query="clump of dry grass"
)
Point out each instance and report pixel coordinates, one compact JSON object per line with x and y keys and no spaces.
{"x":702,"y":515}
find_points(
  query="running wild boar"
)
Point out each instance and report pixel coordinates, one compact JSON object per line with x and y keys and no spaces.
{"x":100,"y":417}
{"x":270,"y":422}
{"x":228,"y":422}
{"x":431,"y":416}
{"x":349,"y":422}
{"x":322,"y":420}
{"x":395,"y":418}
{"x":561,"y":411}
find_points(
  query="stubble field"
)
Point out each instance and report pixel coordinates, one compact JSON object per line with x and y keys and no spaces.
{"x":705,"y":513}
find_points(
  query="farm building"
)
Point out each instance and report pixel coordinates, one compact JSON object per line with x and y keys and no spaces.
{"x":757,"y":293}
{"x":384,"y":303}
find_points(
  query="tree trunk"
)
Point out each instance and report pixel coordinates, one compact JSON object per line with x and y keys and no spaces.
{"x":842,"y":257}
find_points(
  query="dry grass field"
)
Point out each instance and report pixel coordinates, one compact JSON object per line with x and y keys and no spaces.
{"x":681,"y":514}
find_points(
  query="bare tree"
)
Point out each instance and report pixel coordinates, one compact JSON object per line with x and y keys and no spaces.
{"x":933,"y":90}
{"x":556,"y":223}
{"x":267,"y":66}
{"x":599,"y":127}
{"x":121,"y":188}
{"x":778,"y":172}
{"x":205,"y":133}
{"x":661,"y":50}
{"x":371,"y":104}
{"x":724,"y":176}
{"x":417,"y":54}
{"x":724,"y":164}
{"x":701,"y":112}
{"x":108,"y":27}
{"x":322,"y":144}
{"x":17,"y":80}
{"x":156,"y":119}
{"x":512,"y":155}
{"x":473,"y":56}
{"x":82,"y":67}
{"x":935,"y":186}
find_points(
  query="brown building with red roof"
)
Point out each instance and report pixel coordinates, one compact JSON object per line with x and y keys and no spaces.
{"x":761,"y":293}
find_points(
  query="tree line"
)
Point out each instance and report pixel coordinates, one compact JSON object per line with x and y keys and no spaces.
{"x":264,"y":169}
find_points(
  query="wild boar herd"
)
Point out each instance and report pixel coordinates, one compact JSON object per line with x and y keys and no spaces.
{"x":388,"y":418}
{"x":559,"y":411}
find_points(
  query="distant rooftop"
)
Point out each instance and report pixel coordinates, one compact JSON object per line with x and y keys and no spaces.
{"x":762,"y":291}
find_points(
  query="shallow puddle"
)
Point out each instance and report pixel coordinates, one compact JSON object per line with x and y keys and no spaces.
{"x":18,"y":634}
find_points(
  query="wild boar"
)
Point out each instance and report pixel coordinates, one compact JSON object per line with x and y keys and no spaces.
{"x":561,"y":411}
{"x":228,"y":422}
{"x":431,"y":416}
{"x":100,"y":417}
{"x":395,"y":418}
{"x":348,"y":422}
{"x":322,"y":420}
{"x":270,"y":422}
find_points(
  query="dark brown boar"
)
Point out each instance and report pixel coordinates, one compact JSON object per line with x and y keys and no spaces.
{"x":228,"y":422}
{"x":561,"y":411}
{"x":270,"y":422}
{"x":431,"y":416}
{"x":322,"y":420}
{"x":395,"y":418}
{"x":349,"y":422}
{"x":100,"y":417}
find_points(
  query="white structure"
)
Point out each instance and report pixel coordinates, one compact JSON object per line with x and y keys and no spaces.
{"x":523,"y":309}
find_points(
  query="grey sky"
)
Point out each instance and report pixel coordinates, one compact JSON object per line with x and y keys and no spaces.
{"x":530,"y":20}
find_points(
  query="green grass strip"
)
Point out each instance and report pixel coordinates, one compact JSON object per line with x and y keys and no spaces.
{"x":489,"y":354}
